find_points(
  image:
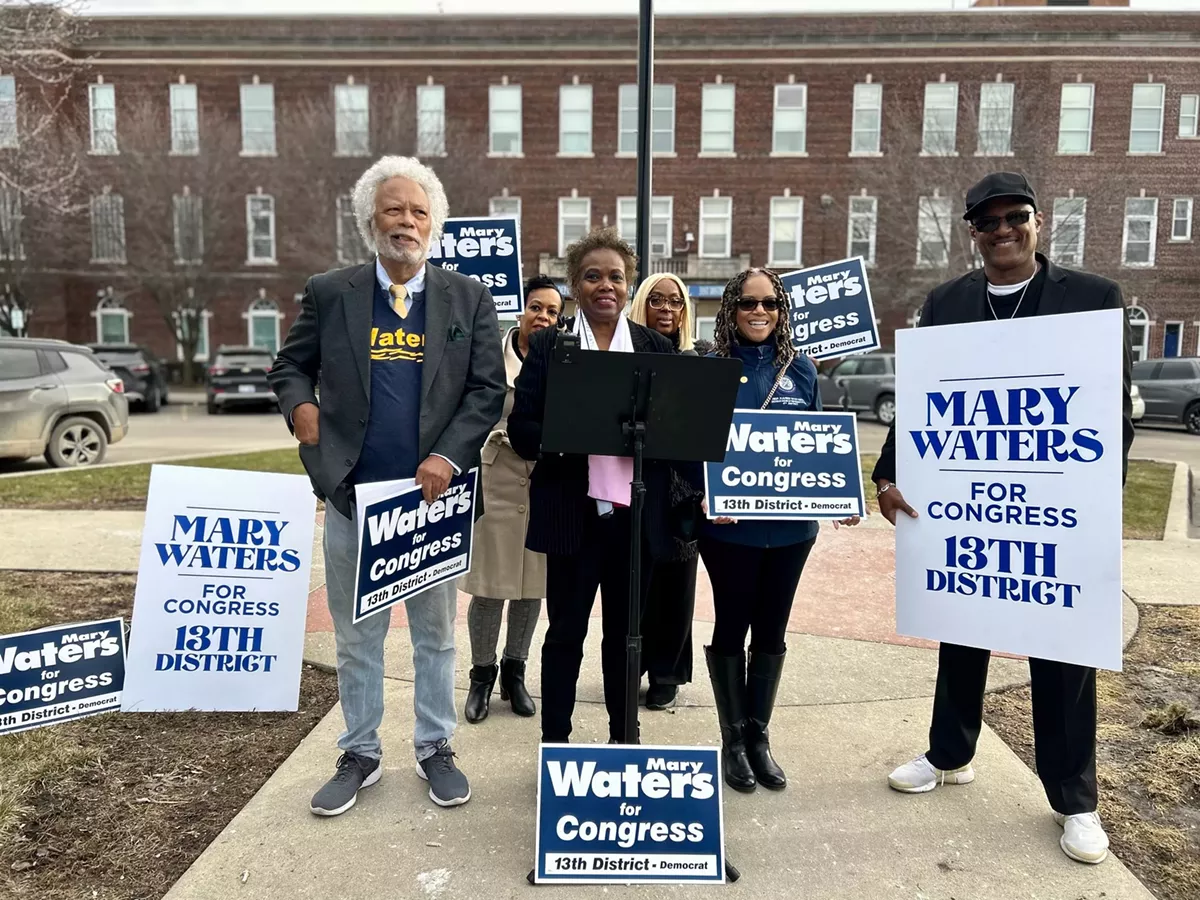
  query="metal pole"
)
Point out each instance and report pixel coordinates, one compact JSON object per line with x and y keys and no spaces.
{"x":645,"y":108}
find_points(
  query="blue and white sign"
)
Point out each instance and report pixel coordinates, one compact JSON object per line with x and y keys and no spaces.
{"x":787,"y":465}
{"x":832,"y":312}
{"x":622,"y":814}
{"x":1008,"y":446}
{"x":61,"y":673}
{"x":488,"y":250}
{"x":406,"y":545}
{"x":222,"y":592}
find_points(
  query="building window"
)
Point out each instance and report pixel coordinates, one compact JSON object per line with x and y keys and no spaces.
{"x":8,"y":111}
{"x":661,"y":215}
{"x":1075,"y":118}
{"x":1146,"y":120}
{"x":716,"y":118}
{"x":102,"y":100}
{"x":995,"y":118}
{"x":351,"y":248}
{"x":187,"y":323}
{"x":189,"y":229}
{"x":260,"y":229}
{"x":504,"y":117}
{"x":933,"y":232}
{"x":1067,"y":230}
{"x":791,"y":119}
{"x":575,"y":119}
{"x":11,"y":248}
{"x":185,"y":120}
{"x":574,"y":221}
{"x":716,"y":226}
{"x":1141,"y":225}
{"x":352,"y":119}
{"x":1139,"y":327}
{"x":662,"y":119}
{"x":258,"y":120}
{"x":1172,"y":339}
{"x":1189,"y":115}
{"x":868,"y":118}
{"x":786,"y":231}
{"x":1181,"y":219}
{"x":108,"y":228}
{"x":864,"y":219}
{"x":431,"y":120}
{"x":262,"y":325}
{"x":112,"y":321}
{"x":938,"y":137}
{"x":505,"y":206}
{"x":706,"y":328}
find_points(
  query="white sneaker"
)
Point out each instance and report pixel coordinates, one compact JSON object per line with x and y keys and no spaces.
{"x":1083,"y":837}
{"x":920,"y":776}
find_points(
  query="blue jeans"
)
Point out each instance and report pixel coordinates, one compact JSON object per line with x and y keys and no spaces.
{"x":431,"y":617}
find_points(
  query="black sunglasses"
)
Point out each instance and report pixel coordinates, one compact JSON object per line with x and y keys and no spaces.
{"x":749,"y":304}
{"x":988,"y":224}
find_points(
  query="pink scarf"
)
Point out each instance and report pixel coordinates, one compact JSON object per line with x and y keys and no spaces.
{"x":608,"y":476}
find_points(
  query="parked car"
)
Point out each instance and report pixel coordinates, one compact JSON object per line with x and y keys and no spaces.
{"x":238,"y":377}
{"x":865,"y":383}
{"x":1170,"y":389}
{"x":1139,"y":404}
{"x":144,"y":374}
{"x":60,"y":400}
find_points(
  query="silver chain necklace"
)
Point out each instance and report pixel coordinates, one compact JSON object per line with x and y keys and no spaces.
{"x":1037,"y":268}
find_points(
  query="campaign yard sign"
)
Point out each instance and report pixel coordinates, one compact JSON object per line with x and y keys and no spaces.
{"x":621,"y":814}
{"x":406,"y":545}
{"x":787,"y":465}
{"x":487,"y":249}
{"x":831,"y":309}
{"x":61,"y":673}
{"x":1009,"y":444}
{"x":222,"y":592}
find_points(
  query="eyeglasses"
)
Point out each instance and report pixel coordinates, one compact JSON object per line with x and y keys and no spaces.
{"x":658,"y":301}
{"x":988,"y":224}
{"x":750,"y":304}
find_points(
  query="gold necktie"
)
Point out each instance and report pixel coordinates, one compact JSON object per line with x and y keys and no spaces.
{"x":399,"y":295}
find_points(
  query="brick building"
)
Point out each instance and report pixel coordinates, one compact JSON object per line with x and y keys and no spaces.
{"x":219,"y":153}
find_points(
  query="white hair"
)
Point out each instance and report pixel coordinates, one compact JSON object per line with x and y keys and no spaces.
{"x":389,"y":167}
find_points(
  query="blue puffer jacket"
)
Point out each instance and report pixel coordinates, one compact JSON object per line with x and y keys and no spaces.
{"x":797,"y":391}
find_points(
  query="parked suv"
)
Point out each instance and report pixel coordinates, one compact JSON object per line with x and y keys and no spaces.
{"x":238,"y":377}
{"x":864,"y":383}
{"x":1170,"y":389}
{"x":144,"y":374}
{"x":58,"y":399}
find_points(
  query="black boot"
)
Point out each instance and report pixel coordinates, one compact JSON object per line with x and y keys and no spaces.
{"x":762,"y":681}
{"x":728,"y":674}
{"x":480,"y":696}
{"x":512,"y":686}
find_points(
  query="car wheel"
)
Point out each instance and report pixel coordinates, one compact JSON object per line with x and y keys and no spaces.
{"x":76,"y":442}
{"x":885,"y":409}
{"x":1191,"y":419}
{"x":153,"y":400}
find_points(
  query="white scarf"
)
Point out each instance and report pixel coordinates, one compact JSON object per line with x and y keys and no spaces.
{"x":608,"y":476}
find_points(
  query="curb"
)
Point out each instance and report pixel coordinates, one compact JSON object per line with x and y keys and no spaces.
{"x":1179,"y":520}
{"x":141,"y":462}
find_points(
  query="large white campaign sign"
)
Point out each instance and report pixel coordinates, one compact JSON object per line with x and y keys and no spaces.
{"x":1008,"y":446}
{"x":222,"y":592}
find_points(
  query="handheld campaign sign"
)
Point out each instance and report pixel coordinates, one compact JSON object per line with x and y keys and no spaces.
{"x":621,"y":814}
{"x":1009,"y":448}
{"x":487,"y":249}
{"x":831,"y":308}
{"x":222,"y":592}
{"x":61,"y":673}
{"x":406,"y":545}
{"x":787,"y":465}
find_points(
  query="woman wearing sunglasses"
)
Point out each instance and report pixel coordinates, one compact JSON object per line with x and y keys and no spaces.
{"x":754,"y":567}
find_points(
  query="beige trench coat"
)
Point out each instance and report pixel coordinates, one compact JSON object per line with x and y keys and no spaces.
{"x":501,"y":567}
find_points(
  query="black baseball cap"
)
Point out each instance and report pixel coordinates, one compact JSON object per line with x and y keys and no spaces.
{"x":999,"y":184}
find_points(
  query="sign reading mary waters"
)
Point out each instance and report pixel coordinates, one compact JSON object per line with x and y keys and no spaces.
{"x":623,"y":814}
{"x":1009,"y":440}
{"x":406,"y":545}
{"x":488,"y":250}
{"x":832,"y":313}
{"x":222,"y":592}
{"x":787,"y":465}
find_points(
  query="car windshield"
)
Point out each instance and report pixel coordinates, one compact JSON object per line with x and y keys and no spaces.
{"x":245,"y":360}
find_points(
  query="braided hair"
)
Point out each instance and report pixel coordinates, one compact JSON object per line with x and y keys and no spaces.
{"x":725,"y":328}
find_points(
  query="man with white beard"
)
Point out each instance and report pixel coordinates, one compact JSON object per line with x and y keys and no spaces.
{"x":411,"y":375}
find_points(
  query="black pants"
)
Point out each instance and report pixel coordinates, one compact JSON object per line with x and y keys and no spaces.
{"x":667,"y":622}
{"x":753,"y":589}
{"x":1064,"y":722}
{"x":571,"y":583}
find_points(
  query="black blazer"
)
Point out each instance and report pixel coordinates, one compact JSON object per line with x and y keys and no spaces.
{"x":558,"y":500}
{"x":1065,"y":291}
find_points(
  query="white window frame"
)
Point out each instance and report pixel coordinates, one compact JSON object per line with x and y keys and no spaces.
{"x":931,"y":125}
{"x":862,"y":92}
{"x":938,"y":214}
{"x":1153,"y":220}
{"x":9,"y":133}
{"x":1139,"y":322}
{"x":251,"y":201}
{"x":12,"y":248}
{"x":117,"y":216}
{"x":348,"y":236}
{"x":252,"y":134}
{"x":262,"y":308}
{"x":563,"y":243}
{"x":701,"y":321}
{"x":179,"y":210}
{"x":572,"y":112}
{"x":185,"y":119}
{"x":996,"y":118}
{"x":495,"y":203}
{"x":431,"y":120}
{"x":1063,"y":109}
{"x":797,"y":220}
{"x":352,"y":120}
{"x":1188,"y":205}
{"x":627,"y":223}
{"x":1189,"y":115}
{"x":1056,"y":236}
{"x":103,"y":133}
{"x":203,"y":344}
{"x":110,"y":307}
{"x":801,"y":114}
{"x":496,"y":91}
{"x":662,"y":119}
{"x":1156,"y":93}
{"x":1178,"y":344}
{"x":716,"y":102}
{"x":872,"y":217}
{"x":706,"y":217}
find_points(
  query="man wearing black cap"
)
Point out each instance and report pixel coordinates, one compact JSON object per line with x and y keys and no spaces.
{"x":1016,"y":281}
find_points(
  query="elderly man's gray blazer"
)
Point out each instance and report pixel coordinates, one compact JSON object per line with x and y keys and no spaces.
{"x":462,"y":377}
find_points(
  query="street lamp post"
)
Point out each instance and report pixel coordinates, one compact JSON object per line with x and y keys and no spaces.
{"x":644,"y":150}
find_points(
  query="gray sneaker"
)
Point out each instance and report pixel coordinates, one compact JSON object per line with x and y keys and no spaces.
{"x":447,"y":785}
{"x":341,"y":791}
